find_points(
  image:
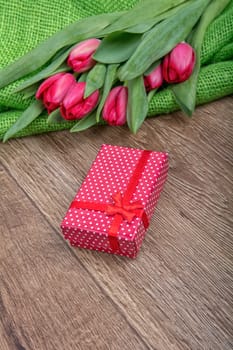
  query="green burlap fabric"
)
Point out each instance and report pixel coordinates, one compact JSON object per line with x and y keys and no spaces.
{"x":25,"y":23}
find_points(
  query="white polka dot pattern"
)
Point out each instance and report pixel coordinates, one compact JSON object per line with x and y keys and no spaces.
{"x":111,"y":172}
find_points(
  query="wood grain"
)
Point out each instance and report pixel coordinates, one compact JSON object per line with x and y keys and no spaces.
{"x":48,"y":298}
{"x":176,"y":295}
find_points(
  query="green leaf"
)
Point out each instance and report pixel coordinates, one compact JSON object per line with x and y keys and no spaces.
{"x":147,"y":25}
{"x":117,"y":47}
{"x":95,"y":79}
{"x":152,"y":67}
{"x":142,"y":27}
{"x":185,"y":93}
{"x":83,"y":29}
{"x":29,"y":91}
{"x":142,"y":12}
{"x":60,"y":52}
{"x":137,"y":106}
{"x":84,"y":123}
{"x":94,"y":26}
{"x":55,"y":117}
{"x":109,"y":80}
{"x":30,"y":114}
{"x":187,"y":101}
{"x":53,"y":68}
{"x":151,"y":95}
{"x":161,"y":39}
{"x":83,"y":77}
{"x":56,"y":66}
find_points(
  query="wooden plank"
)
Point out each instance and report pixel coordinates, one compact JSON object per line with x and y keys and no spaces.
{"x":177,"y":294}
{"x":48,"y":299}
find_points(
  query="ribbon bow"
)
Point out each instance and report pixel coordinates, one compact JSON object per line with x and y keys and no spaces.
{"x":127,"y":211}
{"x":121,"y":209}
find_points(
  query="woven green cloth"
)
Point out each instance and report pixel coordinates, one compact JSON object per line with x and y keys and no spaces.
{"x":25,"y":23}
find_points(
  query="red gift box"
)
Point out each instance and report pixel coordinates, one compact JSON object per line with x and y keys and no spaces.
{"x":115,"y":202}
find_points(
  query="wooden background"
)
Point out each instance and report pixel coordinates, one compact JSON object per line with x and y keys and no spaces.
{"x":176,"y":295}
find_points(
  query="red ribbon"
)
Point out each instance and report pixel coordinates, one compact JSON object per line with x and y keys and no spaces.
{"x":122,"y":209}
{"x":127,"y":211}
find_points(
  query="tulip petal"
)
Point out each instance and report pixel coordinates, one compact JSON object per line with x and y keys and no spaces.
{"x":47,"y":83}
{"x":110,"y":101}
{"x":77,"y":111}
{"x":51,"y":106}
{"x":179,"y":63}
{"x":58,"y":90}
{"x":91,"y":101}
{"x":114,"y":111}
{"x":121,"y":106}
{"x":74,"y":95}
{"x":80,"y":58}
{"x":155,"y":79}
{"x":74,"y":106}
{"x":181,"y":56}
{"x":112,"y":117}
{"x":82,"y":66}
{"x":84,"y":49}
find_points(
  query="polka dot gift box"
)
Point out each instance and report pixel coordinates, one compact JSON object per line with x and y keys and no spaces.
{"x":113,"y":207}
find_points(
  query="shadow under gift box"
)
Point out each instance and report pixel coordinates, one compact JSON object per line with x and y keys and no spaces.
{"x":113,"y":207}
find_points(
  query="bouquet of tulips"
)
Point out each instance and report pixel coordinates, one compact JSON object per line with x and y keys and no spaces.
{"x":106,"y":68}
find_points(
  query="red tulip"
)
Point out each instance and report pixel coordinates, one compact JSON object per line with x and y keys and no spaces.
{"x":80,"y":58}
{"x":75,"y":106}
{"x":179,"y":63}
{"x":114,"y":111}
{"x":53,"y":90}
{"x":155,"y":79}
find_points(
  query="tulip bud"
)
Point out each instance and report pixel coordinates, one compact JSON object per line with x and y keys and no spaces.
{"x":53,"y":90}
{"x":155,"y":79}
{"x":75,"y":106}
{"x":80,"y":58}
{"x":179,"y":63}
{"x":114,"y":111}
